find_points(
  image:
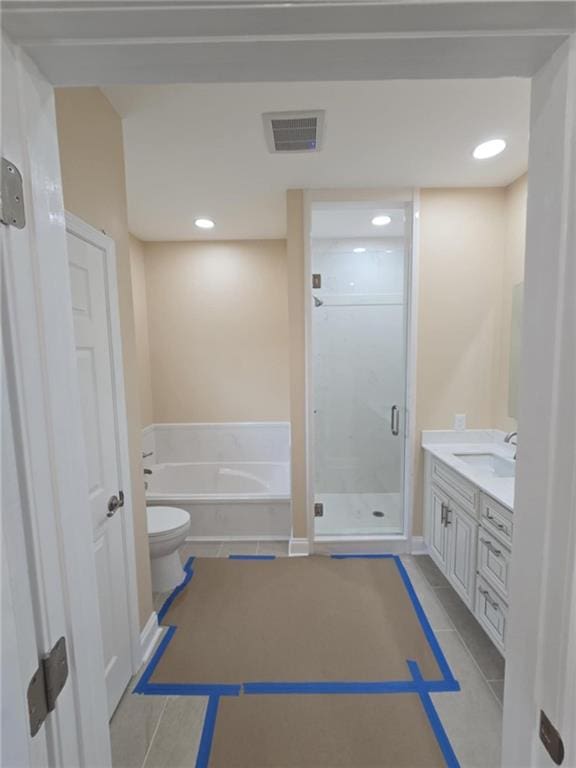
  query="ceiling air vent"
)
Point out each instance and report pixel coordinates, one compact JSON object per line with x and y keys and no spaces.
{"x":293,"y":131}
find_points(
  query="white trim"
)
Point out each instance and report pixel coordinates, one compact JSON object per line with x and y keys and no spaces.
{"x":419,"y":546}
{"x":361,"y":545}
{"x":408,"y":197}
{"x":217,"y":539}
{"x":45,"y":407}
{"x":220,"y":424}
{"x":411,"y":442}
{"x":81,"y":229}
{"x":149,"y":637}
{"x":298,"y":547}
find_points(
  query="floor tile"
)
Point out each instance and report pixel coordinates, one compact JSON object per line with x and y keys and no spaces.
{"x":199,"y":549}
{"x":239,"y":548}
{"x":433,"y":609}
{"x":471,"y":717}
{"x":430,"y":571}
{"x":487,"y":656}
{"x":498,"y":688}
{"x":278,"y":548}
{"x":132,"y":728}
{"x":177,"y":738}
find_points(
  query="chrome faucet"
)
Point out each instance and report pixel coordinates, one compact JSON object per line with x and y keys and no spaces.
{"x":508,"y":439}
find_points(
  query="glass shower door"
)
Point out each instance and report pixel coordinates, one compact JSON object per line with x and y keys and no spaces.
{"x":359,"y":367}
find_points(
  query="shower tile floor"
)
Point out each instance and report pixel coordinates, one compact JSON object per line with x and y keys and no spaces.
{"x":352,"y":514}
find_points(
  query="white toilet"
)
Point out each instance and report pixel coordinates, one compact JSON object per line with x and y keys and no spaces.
{"x":167,"y":529}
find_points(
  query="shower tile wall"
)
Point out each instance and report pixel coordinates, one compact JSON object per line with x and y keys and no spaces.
{"x":358,"y":365}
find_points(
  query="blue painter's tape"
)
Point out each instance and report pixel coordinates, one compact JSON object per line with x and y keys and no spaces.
{"x":392,"y":686}
{"x":152,"y":664}
{"x":207,"y":733}
{"x":433,"y":717}
{"x":175,"y":592}
{"x":252,"y":557}
{"x":426,"y":627}
{"x":192,"y":689}
{"x":362,"y":557}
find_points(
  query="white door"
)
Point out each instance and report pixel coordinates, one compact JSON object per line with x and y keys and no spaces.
{"x":91,"y":260}
{"x":48,"y":576}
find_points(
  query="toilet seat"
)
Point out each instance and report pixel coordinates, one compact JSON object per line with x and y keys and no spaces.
{"x":166,"y":521}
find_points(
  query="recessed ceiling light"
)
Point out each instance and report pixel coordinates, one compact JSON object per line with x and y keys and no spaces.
{"x":204,"y":223}
{"x":489,"y":149}
{"x":381,"y":221}
{"x":359,"y":250}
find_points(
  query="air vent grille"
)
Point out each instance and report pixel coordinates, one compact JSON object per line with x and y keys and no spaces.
{"x":293,"y":131}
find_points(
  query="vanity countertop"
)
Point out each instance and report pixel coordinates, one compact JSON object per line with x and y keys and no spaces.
{"x":445,"y":444}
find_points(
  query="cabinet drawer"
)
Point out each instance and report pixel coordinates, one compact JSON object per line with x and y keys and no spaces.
{"x":463,"y":492}
{"x":493,"y":562}
{"x":491,"y":612}
{"x":496,"y":519}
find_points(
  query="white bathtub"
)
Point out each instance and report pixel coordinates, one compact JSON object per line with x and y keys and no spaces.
{"x":226,"y":500}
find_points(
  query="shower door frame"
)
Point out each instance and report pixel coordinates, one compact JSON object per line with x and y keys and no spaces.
{"x":385,"y":543}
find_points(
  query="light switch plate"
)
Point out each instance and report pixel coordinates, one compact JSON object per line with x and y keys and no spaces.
{"x":460,"y":421}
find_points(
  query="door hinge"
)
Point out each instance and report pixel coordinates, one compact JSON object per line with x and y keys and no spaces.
{"x":12,"y":211}
{"x":318,"y":509}
{"x":316,"y":281}
{"x":46,"y":685}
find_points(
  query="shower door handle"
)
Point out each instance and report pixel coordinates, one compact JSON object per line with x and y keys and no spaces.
{"x":395,"y":420}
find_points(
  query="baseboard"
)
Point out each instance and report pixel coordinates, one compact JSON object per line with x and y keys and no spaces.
{"x":298,"y":547}
{"x":218,"y":539}
{"x":150,"y":636}
{"x":360,"y":545}
{"x":419,"y":546}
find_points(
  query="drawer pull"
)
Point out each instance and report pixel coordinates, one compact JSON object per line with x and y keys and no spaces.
{"x":491,"y":547}
{"x":493,"y":603}
{"x":498,"y":525}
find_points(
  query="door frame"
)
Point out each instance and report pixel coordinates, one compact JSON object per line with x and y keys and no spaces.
{"x":57,"y":558}
{"x":397,"y":543}
{"x":492,"y":59}
{"x":77,"y":226}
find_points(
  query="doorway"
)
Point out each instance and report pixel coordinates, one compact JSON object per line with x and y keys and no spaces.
{"x":93,"y":281}
{"x":360,"y":256}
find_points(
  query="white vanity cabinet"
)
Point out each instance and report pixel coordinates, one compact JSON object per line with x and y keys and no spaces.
{"x":469,"y":536}
{"x":451,"y":527}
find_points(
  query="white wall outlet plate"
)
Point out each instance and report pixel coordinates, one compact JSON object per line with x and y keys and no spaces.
{"x":460,"y":421}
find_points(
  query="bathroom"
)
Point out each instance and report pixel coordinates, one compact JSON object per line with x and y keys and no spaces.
{"x":295,"y":356}
{"x":398,"y":308}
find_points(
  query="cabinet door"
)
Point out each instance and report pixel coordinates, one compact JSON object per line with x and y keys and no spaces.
{"x":461,"y":556}
{"x":438,"y":531}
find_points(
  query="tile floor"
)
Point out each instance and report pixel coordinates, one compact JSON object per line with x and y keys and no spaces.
{"x":164,"y":731}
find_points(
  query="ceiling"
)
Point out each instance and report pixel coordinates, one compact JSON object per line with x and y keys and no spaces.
{"x":200,"y":150}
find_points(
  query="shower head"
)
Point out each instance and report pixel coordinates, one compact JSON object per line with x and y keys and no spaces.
{"x":317,"y":301}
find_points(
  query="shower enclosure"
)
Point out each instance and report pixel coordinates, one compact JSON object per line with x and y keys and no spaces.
{"x":359,"y":258}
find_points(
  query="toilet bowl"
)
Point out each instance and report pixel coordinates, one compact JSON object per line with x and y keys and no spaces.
{"x":167,"y":529}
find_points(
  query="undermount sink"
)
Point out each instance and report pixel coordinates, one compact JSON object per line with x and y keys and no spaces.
{"x":489,"y":463}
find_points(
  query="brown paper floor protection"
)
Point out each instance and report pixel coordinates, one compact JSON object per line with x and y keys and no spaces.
{"x":293,"y":620}
{"x":361,"y":731}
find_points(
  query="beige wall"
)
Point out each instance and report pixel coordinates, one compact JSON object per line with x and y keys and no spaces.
{"x":297,"y":280}
{"x":462,"y":252}
{"x":218,"y":330}
{"x":92,"y":160}
{"x":138,"y":268}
